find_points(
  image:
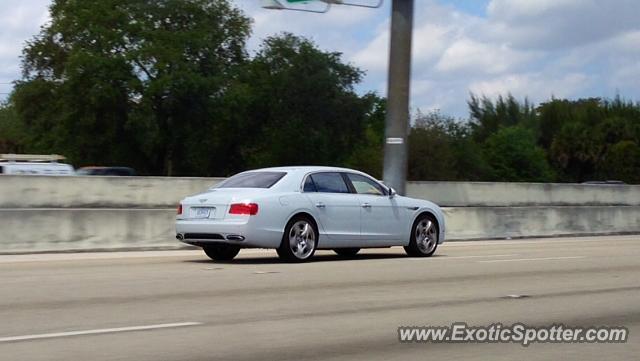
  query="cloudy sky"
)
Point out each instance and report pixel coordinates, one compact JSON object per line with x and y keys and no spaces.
{"x":530,"y":48}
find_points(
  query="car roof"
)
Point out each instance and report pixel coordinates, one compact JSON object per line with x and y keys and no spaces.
{"x":297,"y":174}
{"x":305,"y":169}
{"x":13,"y":164}
{"x":104,"y":167}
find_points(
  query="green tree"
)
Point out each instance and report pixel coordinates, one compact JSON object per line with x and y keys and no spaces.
{"x":622,"y":162}
{"x":431,"y":155}
{"x":302,"y":107}
{"x":488,"y":116}
{"x":574,"y":152}
{"x":11,"y":130}
{"x":131,"y":81}
{"x":514,"y":156}
{"x":368,"y":153}
{"x":580,"y":134}
{"x":442,"y":148}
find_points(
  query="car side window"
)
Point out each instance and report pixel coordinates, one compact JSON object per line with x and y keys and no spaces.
{"x":365,"y":185}
{"x":329,"y":182}
{"x":309,"y":186}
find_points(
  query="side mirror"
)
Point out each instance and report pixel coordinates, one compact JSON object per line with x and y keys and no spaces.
{"x":392,"y":192}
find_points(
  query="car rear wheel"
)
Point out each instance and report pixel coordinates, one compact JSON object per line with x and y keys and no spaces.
{"x":221,"y":252}
{"x":424,"y":237}
{"x":299,"y":240}
{"x":347,"y":252}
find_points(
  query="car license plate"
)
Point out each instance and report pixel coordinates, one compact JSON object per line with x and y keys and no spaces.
{"x":201,"y":212}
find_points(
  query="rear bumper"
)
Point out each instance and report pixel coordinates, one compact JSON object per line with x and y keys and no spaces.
{"x":241,"y":233}
{"x":187,"y":237}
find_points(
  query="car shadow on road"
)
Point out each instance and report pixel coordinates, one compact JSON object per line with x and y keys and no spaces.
{"x":317,"y":258}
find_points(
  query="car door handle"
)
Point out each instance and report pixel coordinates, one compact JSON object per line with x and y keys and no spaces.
{"x":320,"y":205}
{"x":366,"y":205}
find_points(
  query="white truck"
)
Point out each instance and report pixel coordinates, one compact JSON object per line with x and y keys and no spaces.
{"x":34,"y":164}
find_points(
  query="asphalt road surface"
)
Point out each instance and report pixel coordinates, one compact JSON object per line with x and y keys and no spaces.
{"x":178,"y":305}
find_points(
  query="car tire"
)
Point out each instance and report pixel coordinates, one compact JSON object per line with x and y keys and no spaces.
{"x":424,"y":237}
{"x":299,"y":240}
{"x":346,"y":252}
{"x":221,"y":252}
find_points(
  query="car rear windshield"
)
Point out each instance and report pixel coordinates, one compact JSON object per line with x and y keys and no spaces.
{"x":252,"y":180}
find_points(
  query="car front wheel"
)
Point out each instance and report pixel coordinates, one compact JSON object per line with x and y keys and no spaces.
{"x":221,"y":252}
{"x":424,"y":237}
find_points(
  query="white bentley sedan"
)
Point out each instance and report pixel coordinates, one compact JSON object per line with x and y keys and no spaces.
{"x":297,"y":210}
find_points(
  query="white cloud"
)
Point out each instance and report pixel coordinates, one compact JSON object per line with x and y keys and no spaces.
{"x":22,"y":16}
{"x":430,"y":41}
{"x":525,"y":9}
{"x":374,"y":57}
{"x":467,"y":55}
{"x":560,"y":24}
{"x":535,"y":86}
{"x":335,"y":30}
{"x":19,"y":21}
{"x":535,"y":49}
{"x":627,"y":43}
{"x":626,"y":75}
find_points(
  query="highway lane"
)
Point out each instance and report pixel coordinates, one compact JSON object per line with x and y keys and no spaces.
{"x":178,"y":305}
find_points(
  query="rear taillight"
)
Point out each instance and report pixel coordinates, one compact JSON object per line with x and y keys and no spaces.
{"x":244,"y":208}
{"x":179,"y":211}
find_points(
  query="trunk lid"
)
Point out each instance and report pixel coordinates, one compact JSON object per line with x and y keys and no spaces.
{"x":216,"y":201}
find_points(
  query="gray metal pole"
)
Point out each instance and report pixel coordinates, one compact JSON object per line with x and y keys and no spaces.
{"x":397,"y":122}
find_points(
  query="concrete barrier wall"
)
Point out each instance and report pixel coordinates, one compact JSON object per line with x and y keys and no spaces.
{"x":97,"y":192}
{"x":164,"y":192}
{"x":41,"y":214}
{"x":74,"y":229}
{"x":485,"y":194}
{"x":467,"y":223}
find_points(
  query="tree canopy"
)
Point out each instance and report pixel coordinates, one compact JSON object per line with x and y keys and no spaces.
{"x":130,"y":81}
{"x":302,"y":106}
{"x":510,"y":140}
{"x":168,"y":87}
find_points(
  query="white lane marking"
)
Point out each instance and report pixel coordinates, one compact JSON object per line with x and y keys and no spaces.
{"x":87,"y":208}
{"x":47,"y":257}
{"x":558,"y":240}
{"x":516,"y":296}
{"x":97,"y":331}
{"x":81,"y":256}
{"x":480,"y":256}
{"x":531,"y":259}
{"x":445,"y":257}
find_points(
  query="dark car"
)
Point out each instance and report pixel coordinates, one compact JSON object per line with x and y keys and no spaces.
{"x":107,"y":171}
{"x":605,"y":182}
